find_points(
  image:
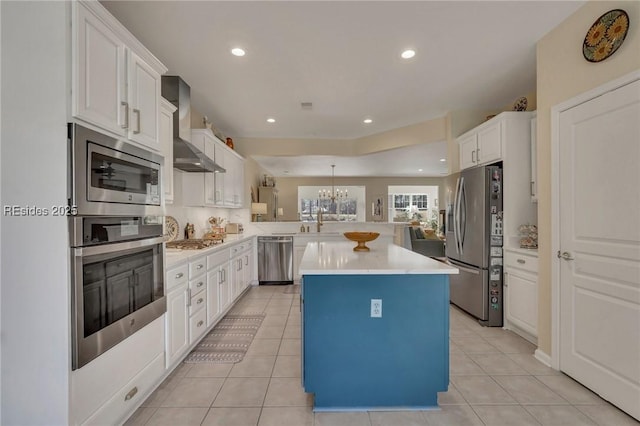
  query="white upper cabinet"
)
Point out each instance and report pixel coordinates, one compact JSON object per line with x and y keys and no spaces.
{"x":489,"y":144}
{"x":468,"y":148}
{"x":166,"y":146}
{"x":144,"y":96}
{"x":482,"y":145}
{"x":115,"y":79}
{"x":99,"y":94}
{"x":214,"y":189}
{"x":490,"y":141}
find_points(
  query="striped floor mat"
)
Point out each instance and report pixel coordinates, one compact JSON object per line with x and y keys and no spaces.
{"x":228,"y":341}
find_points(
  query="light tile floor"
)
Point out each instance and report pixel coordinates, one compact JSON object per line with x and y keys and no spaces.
{"x":495,"y":380}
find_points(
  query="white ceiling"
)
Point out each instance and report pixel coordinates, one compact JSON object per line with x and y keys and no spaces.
{"x":343,"y":56}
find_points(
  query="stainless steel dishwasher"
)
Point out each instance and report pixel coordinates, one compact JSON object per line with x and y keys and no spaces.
{"x":275,"y":260}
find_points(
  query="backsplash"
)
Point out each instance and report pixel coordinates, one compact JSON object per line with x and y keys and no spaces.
{"x":199,"y":216}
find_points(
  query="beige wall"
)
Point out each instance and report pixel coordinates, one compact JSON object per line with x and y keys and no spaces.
{"x":563,"y":73}
{"x":288,"y":189}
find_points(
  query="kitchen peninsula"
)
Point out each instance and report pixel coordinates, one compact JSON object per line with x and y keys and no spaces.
{"x":375,"y":327}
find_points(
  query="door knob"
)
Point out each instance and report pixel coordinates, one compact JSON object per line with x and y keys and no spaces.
{"x":565,"y":255}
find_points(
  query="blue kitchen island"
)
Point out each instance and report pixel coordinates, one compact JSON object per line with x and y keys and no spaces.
{"x":359,"y":354}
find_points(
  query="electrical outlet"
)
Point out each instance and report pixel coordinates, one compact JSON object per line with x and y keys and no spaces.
{"x":376,"y":308}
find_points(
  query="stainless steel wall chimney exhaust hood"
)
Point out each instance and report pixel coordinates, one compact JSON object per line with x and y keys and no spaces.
{"x":186,"y":156}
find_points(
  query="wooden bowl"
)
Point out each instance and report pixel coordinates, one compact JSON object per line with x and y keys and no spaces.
{"x":361,"y":238}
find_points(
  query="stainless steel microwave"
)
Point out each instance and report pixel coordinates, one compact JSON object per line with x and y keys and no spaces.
{"x":112,"y":177}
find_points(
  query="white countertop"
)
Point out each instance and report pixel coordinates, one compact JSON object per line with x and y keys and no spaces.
{"x":338,"y":258}
{"x":176,"y":256}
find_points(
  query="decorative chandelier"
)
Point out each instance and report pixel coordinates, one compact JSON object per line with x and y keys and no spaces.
{"x":324,"y":194}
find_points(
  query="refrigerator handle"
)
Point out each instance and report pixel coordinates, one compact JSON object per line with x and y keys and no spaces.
{"x":455,"y":215}
{"x":458,"y":216}
{"x":463,"y":213}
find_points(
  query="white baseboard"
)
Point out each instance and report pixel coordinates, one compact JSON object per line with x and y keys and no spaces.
{"x":542,"y":357}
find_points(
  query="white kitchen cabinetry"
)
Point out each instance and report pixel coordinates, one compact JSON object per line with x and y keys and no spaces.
{"x":109,"y":389}
{"x":521,"y":292}
{"x":240,"y":273}
{"x":115,"y":79}
{"x":197,"y":298}
{"x":177,"y":322}
{"x":166,"y":142}
{"x":198,"y":188}
{"x":507,"y":138}
{"x":220,"y":178}
{"x":234,"y":179}
{"x":217,"y":286}
{"x":481,"y":146}
{"x":214,"y":189}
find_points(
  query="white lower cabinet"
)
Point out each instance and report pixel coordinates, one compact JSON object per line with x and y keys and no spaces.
{"x":177,"y":319}
{"x":111,"y":387}
{"x":521,"y":293}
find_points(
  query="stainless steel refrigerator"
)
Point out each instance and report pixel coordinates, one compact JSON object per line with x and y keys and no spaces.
{"x":474,"y":242}
{"x":269,"y":195}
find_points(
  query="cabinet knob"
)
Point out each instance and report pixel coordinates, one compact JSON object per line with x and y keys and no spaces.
{"x":179,"y":275}
{"x":200,"y":323}
{"x":200,"y":284}
{"x":200,"y":301}
{"x":521,"y":261}
{"x":200,"y":266}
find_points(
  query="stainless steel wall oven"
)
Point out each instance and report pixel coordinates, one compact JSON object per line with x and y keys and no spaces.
{"x":117,"y":277}
{"x":116,"y":236}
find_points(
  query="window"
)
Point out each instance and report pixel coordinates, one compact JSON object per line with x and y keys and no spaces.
{"x":350,"y":209}
{"x":411,"y":203}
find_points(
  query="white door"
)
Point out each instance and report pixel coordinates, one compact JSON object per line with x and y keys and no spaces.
{"x":600,"y":238}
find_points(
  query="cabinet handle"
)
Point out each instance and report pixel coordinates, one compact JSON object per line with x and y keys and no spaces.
{"x":199,"y":266}
{"x":179,"y":275}
{"x":200,"y":323}
{"x":131,"y":393}
{"x":521,"y":261}
{"x":200,"y":284}
{"x":137,"y":113}
{"x":246,"y":260}
{"x":200,"y":301}
{"x":478,"y":155}
{"x":126,"y":115}
{"x":532,"y":190}
{"x":473,"y":158}
{"x":188,"y":297}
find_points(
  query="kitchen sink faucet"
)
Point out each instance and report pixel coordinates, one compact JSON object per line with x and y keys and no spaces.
{"x":319,"y":222}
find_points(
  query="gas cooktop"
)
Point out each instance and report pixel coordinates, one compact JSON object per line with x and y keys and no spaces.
{"x":195,"y":244}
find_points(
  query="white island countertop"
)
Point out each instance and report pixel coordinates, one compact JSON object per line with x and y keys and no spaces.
{"x":327,"y":258}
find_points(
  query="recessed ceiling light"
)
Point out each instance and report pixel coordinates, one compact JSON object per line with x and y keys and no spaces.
{"x":271,"y":120}
{"x":367,"y":121}
{"x":408,"y":54}
{"x":419,"y":170}
{"x":237,"y":51}
{"x":443,"y":160}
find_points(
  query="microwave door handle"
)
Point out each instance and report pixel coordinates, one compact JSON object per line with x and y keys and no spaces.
{"x":116,"y":247}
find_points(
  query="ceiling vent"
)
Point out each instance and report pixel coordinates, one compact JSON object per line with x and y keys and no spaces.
{"x":306,"y":105}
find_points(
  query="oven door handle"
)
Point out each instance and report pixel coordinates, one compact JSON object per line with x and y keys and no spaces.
{"x":116,"y":247}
